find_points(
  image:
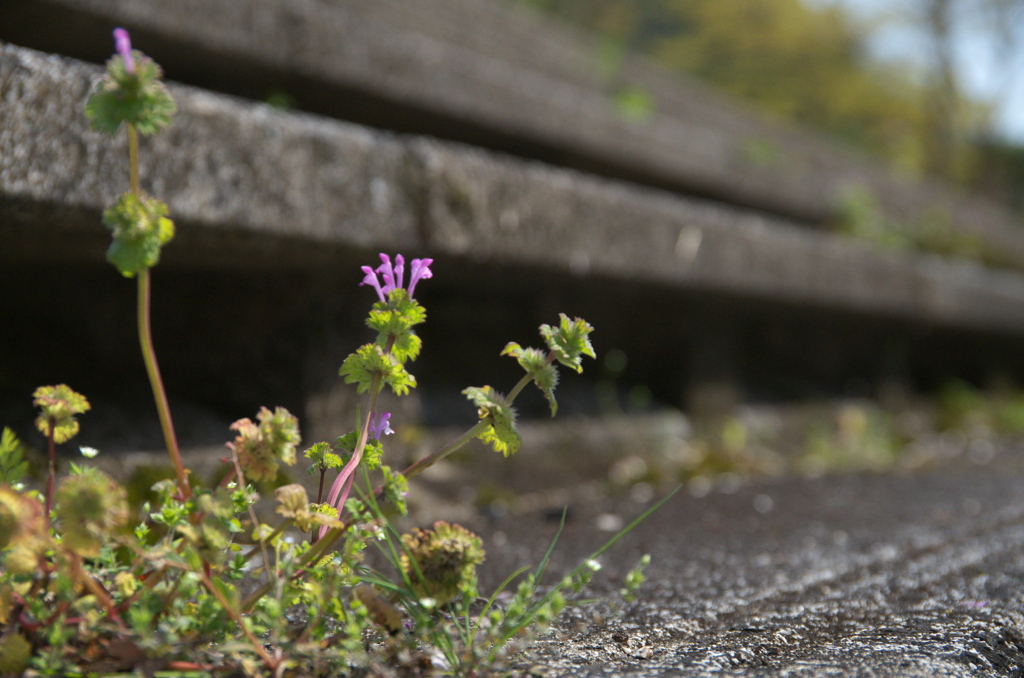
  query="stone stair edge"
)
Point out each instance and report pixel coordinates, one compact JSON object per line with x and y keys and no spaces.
{"x":227,"y":164}
{"x":410,"y":56}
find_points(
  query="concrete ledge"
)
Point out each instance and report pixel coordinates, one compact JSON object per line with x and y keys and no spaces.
{"x":474,"y":71}
{"x":233,"y":171}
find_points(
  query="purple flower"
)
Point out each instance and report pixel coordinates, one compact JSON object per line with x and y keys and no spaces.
{"x":394,"y":275}
{"x":371,"y":279}
{"x":123,"y":45}
{"x":399,"y":271}
{"x":419,"y":269}
{"x":381,"y":428}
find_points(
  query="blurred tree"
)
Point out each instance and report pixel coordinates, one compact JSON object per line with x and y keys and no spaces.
{"x":961,"y":145}
{"x":800,"y":63}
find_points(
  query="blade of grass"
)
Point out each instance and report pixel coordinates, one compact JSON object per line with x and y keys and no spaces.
{"x":528,"y":617}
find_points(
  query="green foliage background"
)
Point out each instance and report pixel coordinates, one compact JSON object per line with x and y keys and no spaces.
{"x":794,"y":61}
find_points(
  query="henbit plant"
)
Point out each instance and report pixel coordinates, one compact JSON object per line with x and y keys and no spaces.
{"x":199,"y":584}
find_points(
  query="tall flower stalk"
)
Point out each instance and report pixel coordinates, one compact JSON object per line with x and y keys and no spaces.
{"x":381,"y":363}
{"x":132,"y":95}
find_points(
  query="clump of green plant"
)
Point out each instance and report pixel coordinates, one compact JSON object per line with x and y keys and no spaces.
{"x":198,"y":582}
{"x":962,"y":406}
{"x":860,"y":216}
{"x":859,"y":438}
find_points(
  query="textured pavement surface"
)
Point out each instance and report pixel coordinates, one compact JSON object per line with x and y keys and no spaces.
{"x":868,"y":575}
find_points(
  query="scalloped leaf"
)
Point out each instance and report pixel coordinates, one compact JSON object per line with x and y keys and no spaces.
{"x":370,"y":361}
{"x":494,"y":408}
{"x":13,"y":466}
{"x":137,"y":98}
{"x":569,"y":341}
{"x":535,"y":362}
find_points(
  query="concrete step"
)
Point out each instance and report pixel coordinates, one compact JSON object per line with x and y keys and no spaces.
{"x":238,"y":174}
{"x":478,"y":72}
{"x":276,"y":211}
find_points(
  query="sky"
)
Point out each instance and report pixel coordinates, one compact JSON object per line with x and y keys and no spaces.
{"x":985,"y":73}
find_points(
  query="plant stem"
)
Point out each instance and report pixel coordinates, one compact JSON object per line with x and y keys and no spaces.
{"x":52,"y":468}
{"x":159,"y":395}
{"x":319,"y":500}
{"x":133,"y":159}
{"x":146,"y":340}
{"x":518,"y":388}
{"x":95,"y":588}
{"x":426,"y":462}
{"x":255,"y":520}
{"x":332,"y":536}
{"x":270,"y":537}
{"x":237,"y":618}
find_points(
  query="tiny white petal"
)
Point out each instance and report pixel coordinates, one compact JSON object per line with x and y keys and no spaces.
{"x":88,"y":452}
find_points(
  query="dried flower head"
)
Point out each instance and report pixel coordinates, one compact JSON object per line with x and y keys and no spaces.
{"x":21,"y":518}
{"x":91,"y":507}
{"x":58,"y":406}
{"x":260,"y":447}
{"x":440,"y":562}
{"x":293,"y":502}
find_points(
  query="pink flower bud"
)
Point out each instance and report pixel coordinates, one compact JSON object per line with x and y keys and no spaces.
{"x":123,"y":45}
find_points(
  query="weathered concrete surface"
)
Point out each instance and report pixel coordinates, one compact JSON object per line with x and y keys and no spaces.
{"x":915,"y":575}
{"x":478,"y":72}
{"x":233,"y":172}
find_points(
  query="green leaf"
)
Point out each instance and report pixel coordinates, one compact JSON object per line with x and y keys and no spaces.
{"x":372,"y":454}
{"x":322,"y":457}
{"x":58,"y":406}
{"x":372,"y":451}
{"x":227,"y":591}
{"x":535,"y":362}
{"x":569,"y":341}
{"x":493,"y":408}
{"x":370,"y":362}
{"x":393,"y":321}
{"x":13,"y":466}
{"x":347,"y":442}
{"x":406,"y":347}
{"x":396,"y":488}
{"x":137,"y":98}
{"x":409,"y":309}
{"x":140,"y":227}
{"x":398,"y":314}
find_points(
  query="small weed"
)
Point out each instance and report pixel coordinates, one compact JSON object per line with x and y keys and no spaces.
{"x":195,"y":583}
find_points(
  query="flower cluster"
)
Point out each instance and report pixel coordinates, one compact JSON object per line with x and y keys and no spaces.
{"x":419,"y":269}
